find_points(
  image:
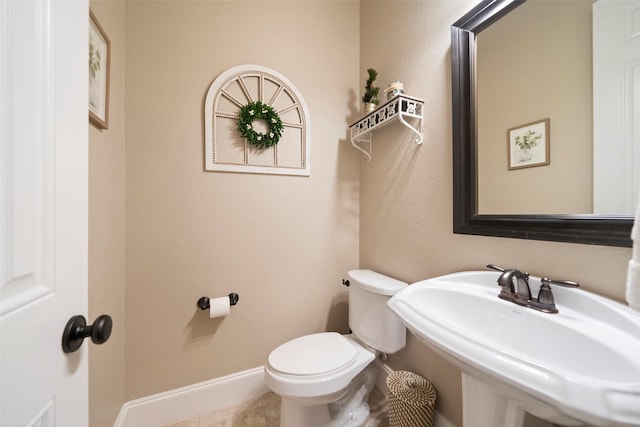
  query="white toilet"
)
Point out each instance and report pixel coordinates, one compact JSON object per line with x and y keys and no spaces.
{"x":324,"y":379}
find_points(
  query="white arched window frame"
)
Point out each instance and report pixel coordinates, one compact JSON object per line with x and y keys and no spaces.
{"x":226,"y":150}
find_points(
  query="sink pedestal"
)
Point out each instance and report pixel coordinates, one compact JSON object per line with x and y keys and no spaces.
{"x":482,"y":406}
{"x":485,"y":405}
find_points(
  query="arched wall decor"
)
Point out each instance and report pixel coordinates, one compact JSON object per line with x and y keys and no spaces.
{"x":226,"y":150}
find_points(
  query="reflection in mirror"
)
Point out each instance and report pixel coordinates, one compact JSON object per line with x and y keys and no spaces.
{"x":535,"y":64}
{"x":493,"y":194}
{"x":616,"y":106}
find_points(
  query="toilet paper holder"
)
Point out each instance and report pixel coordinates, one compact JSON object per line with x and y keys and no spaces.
{"x":203,"y":302}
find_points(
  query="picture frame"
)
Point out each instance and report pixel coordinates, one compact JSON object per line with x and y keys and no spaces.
{"x":528,"y":145}
{"x":99,"y":73}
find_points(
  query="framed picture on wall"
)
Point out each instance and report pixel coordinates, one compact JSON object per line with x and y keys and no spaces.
{"x":528,"y":145}
{"x":99,"y":64}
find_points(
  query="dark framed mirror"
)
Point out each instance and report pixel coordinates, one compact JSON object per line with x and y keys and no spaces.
{"x":609,"y":230}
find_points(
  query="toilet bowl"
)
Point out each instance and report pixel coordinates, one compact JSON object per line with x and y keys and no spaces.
{"x":334,"y":378}
{"x":324,"y":379}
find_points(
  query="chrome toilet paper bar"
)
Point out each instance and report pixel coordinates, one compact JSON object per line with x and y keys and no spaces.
{"x":203,"y":302}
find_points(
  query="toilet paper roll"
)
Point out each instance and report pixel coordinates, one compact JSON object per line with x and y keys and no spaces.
{"x":219,"y":307}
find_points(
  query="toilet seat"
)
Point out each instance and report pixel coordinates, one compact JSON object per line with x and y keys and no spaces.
{"x":312,"y":354}
{"x":313,"y":384}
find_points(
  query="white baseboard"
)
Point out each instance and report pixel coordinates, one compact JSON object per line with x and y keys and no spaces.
{"x":183,"y":403}
{"x":173,"y":406}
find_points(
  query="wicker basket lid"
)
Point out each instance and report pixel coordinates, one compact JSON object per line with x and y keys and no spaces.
{"x":411,"y":389}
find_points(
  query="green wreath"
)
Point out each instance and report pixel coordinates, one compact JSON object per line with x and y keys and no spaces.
{"x":254,"y":111}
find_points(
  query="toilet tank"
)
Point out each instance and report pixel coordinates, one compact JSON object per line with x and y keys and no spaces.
{"x":369,"y":317}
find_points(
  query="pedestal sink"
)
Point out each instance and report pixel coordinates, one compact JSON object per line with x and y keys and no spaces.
{"x":578,"y":366}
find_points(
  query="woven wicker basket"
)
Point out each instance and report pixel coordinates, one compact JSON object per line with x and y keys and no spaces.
{"x":412,"y":400}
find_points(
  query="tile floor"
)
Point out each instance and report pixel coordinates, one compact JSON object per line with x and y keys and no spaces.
{"x":265,"y":412}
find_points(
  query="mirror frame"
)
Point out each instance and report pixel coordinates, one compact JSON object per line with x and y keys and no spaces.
{"x":608,"y":230}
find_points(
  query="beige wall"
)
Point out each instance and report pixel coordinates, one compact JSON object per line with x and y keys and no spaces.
{"x":282,"y":243}
{"x":106,"y":231}
{"x":534,"y":64}
{"x":406,"y":190}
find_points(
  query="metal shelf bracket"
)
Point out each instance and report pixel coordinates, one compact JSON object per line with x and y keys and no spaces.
{"x":398,"y":108}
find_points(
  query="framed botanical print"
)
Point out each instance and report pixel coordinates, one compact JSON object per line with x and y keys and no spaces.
{"x":528,"y":145}
{"x":99,"y":64}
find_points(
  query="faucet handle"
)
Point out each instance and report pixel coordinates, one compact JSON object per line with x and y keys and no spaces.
{"x":564,"y":283}
{"x":545,"y":301}
{"x":545,"y":295}
{"x":502,"y":270}
{"x":495,"y":267}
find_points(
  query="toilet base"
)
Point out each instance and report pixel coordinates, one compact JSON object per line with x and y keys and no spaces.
{"x":350,"y":410}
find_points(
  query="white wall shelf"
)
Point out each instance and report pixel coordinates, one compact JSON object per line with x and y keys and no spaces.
{"x":400,"y":108}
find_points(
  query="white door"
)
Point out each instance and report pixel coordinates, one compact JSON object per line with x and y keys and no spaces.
{"x":43,"y":214}
{"x":616,"y":106}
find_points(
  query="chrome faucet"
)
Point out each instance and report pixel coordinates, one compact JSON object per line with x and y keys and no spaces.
{"x":520,"y":293}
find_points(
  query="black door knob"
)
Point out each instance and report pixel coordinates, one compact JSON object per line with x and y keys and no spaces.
{"x":77,"y":330}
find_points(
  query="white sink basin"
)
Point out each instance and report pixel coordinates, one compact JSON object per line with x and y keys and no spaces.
{"x":581,"y":365}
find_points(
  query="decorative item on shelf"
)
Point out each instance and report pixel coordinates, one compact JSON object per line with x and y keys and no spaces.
{"x":259,"y":111}
{"x":370,"y":97}
{"x":395,"y":88}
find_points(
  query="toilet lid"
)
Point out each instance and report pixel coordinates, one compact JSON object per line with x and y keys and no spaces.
{"x":312,"y":354}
